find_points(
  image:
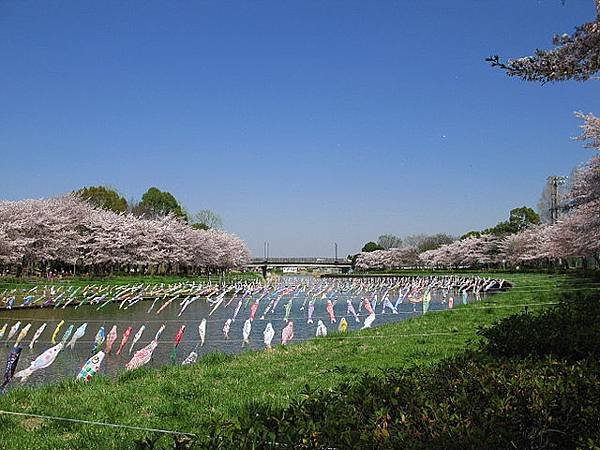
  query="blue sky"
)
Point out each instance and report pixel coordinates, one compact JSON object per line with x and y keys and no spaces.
{"x":302,"y":123}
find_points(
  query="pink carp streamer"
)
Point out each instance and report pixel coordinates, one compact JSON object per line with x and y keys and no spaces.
{"x":142,"y":357}
{"x":253,"y":309}
{"x":111,"y":338}
{"x":329,"y":308}
{"x":179,"y":335}
{"x":124,"y":339}
{"x":367,"y":305}
{"x":288,"y":333}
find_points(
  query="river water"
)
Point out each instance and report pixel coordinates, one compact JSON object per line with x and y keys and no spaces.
{"x":68,"y":362}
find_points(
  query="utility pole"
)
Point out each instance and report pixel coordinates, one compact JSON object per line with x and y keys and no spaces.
{"x":335,"y":251}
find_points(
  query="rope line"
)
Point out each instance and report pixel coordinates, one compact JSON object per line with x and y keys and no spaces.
{"x":516,"y":288}
{"x":457,"y":308}
{"x":92,"y":422}
{"x":190,"y":288}
{"x":233,"y":340}
{"x":332,"y":336}
{"x":340,"y":299}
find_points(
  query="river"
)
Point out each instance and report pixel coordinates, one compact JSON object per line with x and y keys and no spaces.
{"x":69,"y":361}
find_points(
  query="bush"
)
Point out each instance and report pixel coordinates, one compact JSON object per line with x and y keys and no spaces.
{"x":570,"y":330}
{"x":469,"y":402}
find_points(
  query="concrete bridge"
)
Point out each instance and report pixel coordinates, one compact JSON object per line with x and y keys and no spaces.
{"x":299,"y":264}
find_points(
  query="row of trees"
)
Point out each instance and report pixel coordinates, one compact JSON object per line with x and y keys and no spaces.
{"x":153,"y":204}
{"x":68,"y":233}
{"x":470,"y":251}
{"x":518,"y":220}
{"x":421,"y":242}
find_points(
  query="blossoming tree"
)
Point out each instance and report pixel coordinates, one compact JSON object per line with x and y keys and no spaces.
{"x":66,"y":232}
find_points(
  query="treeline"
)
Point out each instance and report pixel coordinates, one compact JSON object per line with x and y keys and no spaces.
{"x":522,"y":240}
{"x":477,"y":248}
{"x":153,"y":204}
{"x":68,"y":234}
{"x":519,"y":219}
{"x":419,"y":242}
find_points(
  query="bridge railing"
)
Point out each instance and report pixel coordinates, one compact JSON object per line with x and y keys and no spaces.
{"x":299,"y":260}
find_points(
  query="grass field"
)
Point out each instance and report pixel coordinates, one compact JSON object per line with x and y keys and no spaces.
{"x":187,"y":398}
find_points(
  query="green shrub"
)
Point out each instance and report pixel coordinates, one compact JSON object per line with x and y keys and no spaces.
{"x":469,"y":402}
{"x":571,"y":330}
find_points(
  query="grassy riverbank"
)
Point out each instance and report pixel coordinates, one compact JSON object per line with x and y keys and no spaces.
{"x":220,"y":387}
{"x":231,"y":277}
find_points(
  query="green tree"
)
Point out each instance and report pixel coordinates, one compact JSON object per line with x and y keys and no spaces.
{"x":371,"y":247}
{"x":518,"y":220}
{"x":157,"y":203}
{"x":523,"y":217}
{"x":200,"y":226}
{"x":103,"y":197}
{"x":470,"y":234}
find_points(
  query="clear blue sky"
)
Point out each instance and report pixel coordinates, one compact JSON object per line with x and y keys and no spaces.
{"x":300,"y":122}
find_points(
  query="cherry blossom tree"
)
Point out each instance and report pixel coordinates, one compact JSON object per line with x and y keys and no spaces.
{"x":576,"y":56}
{"x":394,"y":258}
{"x":578,"y":232}
{"x":67,"y":232}
{"x":530,"y":246}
